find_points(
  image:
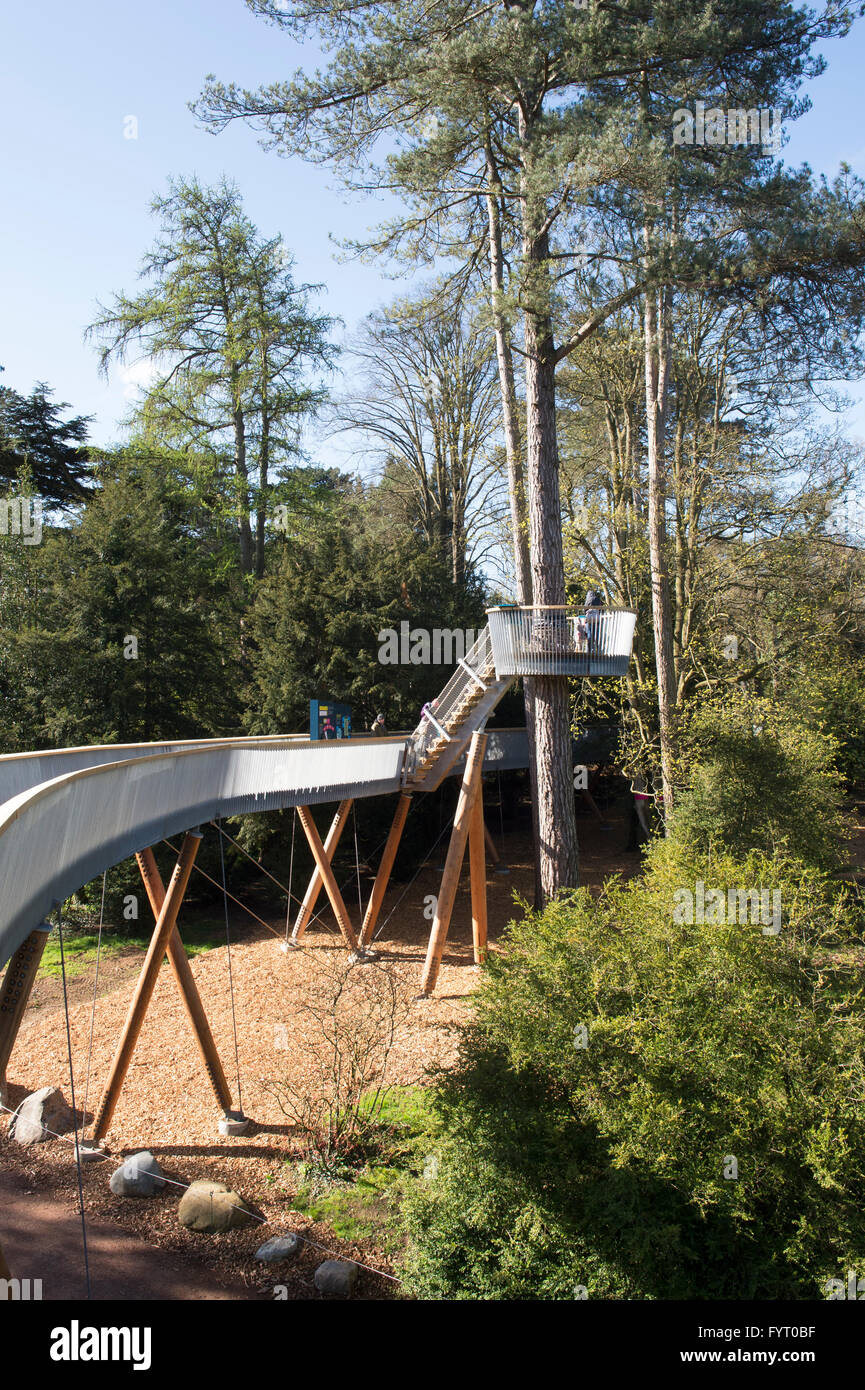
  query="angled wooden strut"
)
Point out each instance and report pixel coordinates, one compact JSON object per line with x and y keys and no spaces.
{"x":165,"y":924}
{"x":478,"y":869}
{"x":469,"y":793}
{"x":382,"y":878}
{"x":15,"y":992}
{"x":316,"y":883}
{"x":330,"y":884}
{"x":186,"y":983}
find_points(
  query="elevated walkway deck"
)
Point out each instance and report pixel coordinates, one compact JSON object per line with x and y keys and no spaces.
{"x":68,"y":814}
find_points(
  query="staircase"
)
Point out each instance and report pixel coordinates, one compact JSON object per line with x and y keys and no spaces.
{"x":463,"y":707}
{"x":540,"y":640}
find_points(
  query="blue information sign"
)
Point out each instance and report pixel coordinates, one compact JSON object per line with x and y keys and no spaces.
{"x":329,"y":719}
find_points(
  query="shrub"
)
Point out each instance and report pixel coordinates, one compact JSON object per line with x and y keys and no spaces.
{"x":347,"y":1027}
{"x":755,"y":777}
{"x":604,"y":1166}
{"x":832,"y":696}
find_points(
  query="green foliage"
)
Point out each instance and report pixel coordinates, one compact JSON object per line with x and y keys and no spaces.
{"x":756,"y":776}
{"x":108,"y":630}
{"x":237,"y":339}
{"x":80,"y":948}
{"x":317,"y":617}
{"x":833,"y":694}
{"x":361,"y":1201}
{"x":35,"y":439}
{"x":604,"y":1165}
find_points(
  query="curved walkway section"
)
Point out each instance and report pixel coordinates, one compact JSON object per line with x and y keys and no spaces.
{"x":62,"y":833}
{"x":21,"y":771}
{"x":67,"y":814}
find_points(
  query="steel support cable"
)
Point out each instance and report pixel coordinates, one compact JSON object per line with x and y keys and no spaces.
{"x":230,"y":980}
{"x":74,"y":1116}
{"x":290,"y":875}
{"x":422,"y":865}
{"x":316,"y":917}
{"x":262,"y":1220}
{"x":93,"y":1004}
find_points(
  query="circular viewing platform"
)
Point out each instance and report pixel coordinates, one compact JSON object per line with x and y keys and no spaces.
{"x":561,"y":641}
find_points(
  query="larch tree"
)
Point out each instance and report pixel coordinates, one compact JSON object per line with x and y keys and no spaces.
{"x":231,"y":339}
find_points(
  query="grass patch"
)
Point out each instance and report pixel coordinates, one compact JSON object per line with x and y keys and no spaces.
{"x":355,"y":1210}
{"x":80,"y":947}
{"x":359,"y":1201}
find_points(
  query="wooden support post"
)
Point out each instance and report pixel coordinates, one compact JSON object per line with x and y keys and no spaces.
{"x":186,"y":984}
{"x":310,"y":897}
{"x":15,"y":992}
{"x":330,"y":883}
{"x":5,"y":1272}
{"x":456,"y":850}
{"x":382,"y":878}
{"x":165,"y":923}
{"x":478,"y":867}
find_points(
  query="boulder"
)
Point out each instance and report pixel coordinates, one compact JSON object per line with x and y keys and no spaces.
{"x":41,"y":1116}
{"x":336,"y":1278}
{"x":278,"y":1248}
{"x":139,"y":1176}
{"x":211,"y":1207}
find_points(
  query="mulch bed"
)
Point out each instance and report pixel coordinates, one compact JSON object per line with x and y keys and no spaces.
{"x":167,"y":1106}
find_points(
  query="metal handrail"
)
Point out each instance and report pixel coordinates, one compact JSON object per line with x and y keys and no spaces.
{"x":444,"y":720}
{"x":561,"y":640}
{"x":571,"y":607}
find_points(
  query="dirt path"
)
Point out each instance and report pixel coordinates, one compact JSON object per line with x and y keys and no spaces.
{"x":138,"y":1248}
{"x":41,"y":1239}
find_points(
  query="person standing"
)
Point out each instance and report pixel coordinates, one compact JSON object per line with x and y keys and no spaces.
{"x":594,"y":621}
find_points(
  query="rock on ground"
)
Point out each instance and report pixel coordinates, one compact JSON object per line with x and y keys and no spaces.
{"x":40,"y":1116}
{"x":139,"y":1176}
{"x":211,"y":1207}
{"x":278,"y":1248}
{"x":336,"y":1277}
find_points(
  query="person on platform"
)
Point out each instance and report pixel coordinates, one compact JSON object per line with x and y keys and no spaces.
{"x":594,"y":609}
{"x":378,"y":726}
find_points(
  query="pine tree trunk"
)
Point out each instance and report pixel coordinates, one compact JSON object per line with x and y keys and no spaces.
{"x":516,"y":476}
{"x":261,"y":509}
{"x":557,"y":827}
{"x":510,"y":417}
{"x":656,"y":349}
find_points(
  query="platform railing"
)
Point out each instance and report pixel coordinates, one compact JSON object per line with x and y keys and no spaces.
{"x":561,"y":641}
{"x":443,"y":715}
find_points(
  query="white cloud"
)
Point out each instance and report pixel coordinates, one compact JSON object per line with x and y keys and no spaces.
{"x":137,"y":376}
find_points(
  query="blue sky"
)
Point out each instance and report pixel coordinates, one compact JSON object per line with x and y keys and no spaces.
{"x":76,"y":191}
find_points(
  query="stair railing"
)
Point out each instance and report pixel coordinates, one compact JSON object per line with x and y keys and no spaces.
{"x":442,"y":717}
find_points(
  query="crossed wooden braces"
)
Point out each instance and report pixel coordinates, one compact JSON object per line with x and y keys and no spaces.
{"x":468,"y":829}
